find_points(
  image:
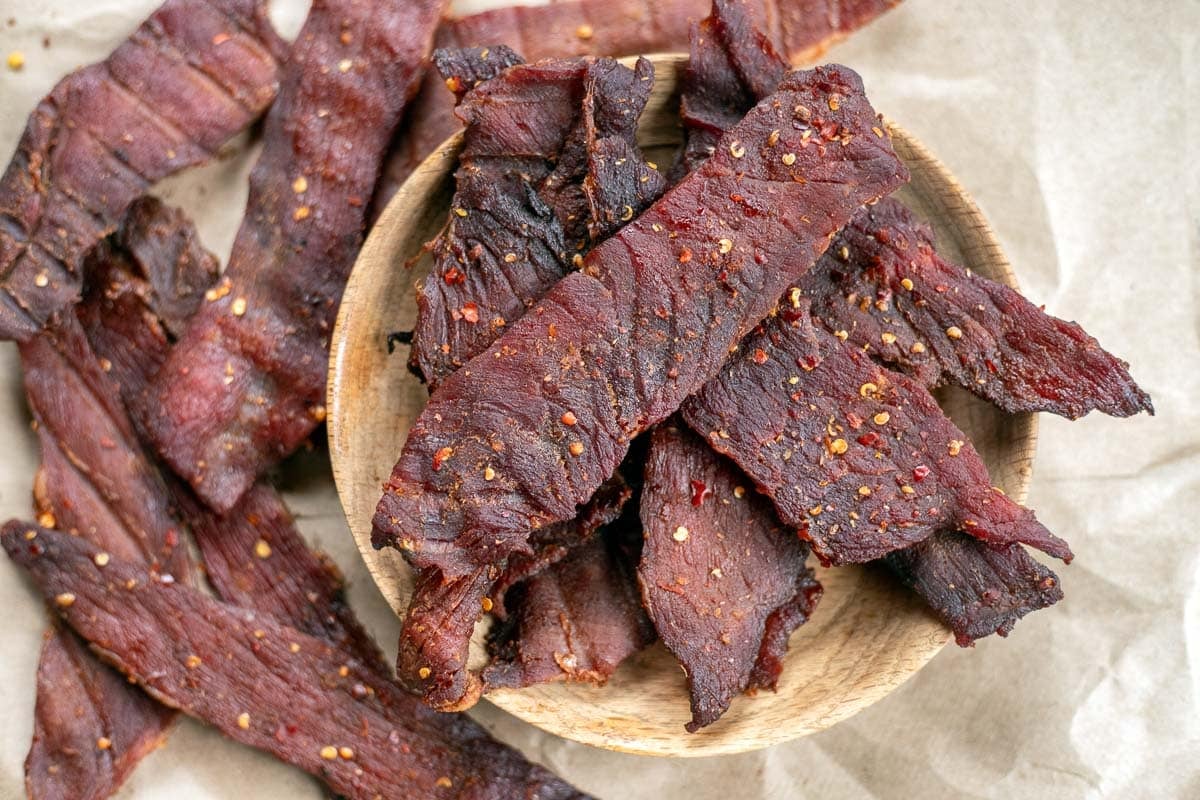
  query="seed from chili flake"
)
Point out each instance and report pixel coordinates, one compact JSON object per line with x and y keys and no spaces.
{"x":788,"y":159}
{"x":193,"y":661}
{"x":101,"y":559}
{"x":444,"y":782}
{"x":736,"y":150}
{"x":844,"y":253}
{"x":243,"y":721}
{"x":329,"y":752}
{"x":238,"y":306}
{"x":103,"y":743}
{"x":865,"y":491}
{"x":462,"y":212}
{"x":486,"y":604}
{"x":262,"y":549}
{"x":41,"y":280}
{"x":301,"y":213}
{"x":887,"y":337}
{"x":843,"y":335}
{"x":347,"y":753}
{"x":725,"y":245}
{"x":908,"y":489}
{"x":344,"y":65}
{"x":907,"y":283}
{"x":424,"y":672}
{"x":868,"y":389}
{"x":510,"y":258}
{"x":815,"y":511}
{"x":954,"y":332}
{"x":835,"y":102}
{"x":881,"y":418}
{"x":739,"y":492}
{"x":585,"y":31}
{"x":685,"y":255}
{"x":46,"y":519}
{"x":440,"y":457}
{"x":681,"y":534}
{"x":838,"y":446}
{"x":300,"y":185}
{"x":917,"y":347}
{"x":576,"y":448}
{"x":568,"y":418}
{"x":64,"y":600}
{"x":955,"y":446}
{"x":489,"y":474}
{"x":294,"y":647}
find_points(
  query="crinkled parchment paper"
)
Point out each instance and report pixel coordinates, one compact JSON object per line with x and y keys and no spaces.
{"x":1076,"y":127}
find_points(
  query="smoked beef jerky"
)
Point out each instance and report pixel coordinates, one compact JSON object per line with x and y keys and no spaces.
{"x":975,"y":588}
{"x":527,"y":430}
{"x":801,"y":29}
{"x":246,"y":383}
{"x":575,"y":621}
{"x":860,"y":460}
{"x":269,"y":685}
{"x":442,"y":612}
{"x":883,"y":283}
{"x":724,"y":582}
{"x":193,"y":75}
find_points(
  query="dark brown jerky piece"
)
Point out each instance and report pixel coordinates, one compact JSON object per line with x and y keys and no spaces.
{"x":522,"y":211}
{"x":801,"y":29}
{"x":860,"y":460}
{"x":442,"y":613}
{"x":885,"y":285}
{"x":193,"y":75}
{"x":575,"y":621}
{"x":246,"y":383}
{"x":619,"y":345}
{"x":973,"y":587}
{"x":716,"y":566}
{"x":269,"y":685}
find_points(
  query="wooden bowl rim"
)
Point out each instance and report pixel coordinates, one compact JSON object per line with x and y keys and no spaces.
{"x":526,"y":704}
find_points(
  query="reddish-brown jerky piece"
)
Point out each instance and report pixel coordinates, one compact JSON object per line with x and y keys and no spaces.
{"x":723,"y":581}
{"x":442,"y":613}
{"x":619,"y":345}
{"x":802,"y":29}
{"x":524,"y":201}
{"x":575,"y":621}
{"x":975,"y":588}
{"x":269,"y":685}
{"x":859,"y":459}
{"x":884,"y":284}
{"x":246,"y":383}
{"x":189,"y":78}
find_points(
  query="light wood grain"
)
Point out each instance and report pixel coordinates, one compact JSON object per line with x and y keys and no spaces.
{"x":868,"y":634}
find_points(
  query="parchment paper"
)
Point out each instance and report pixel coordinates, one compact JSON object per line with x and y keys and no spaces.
{"x":1075,"y":126}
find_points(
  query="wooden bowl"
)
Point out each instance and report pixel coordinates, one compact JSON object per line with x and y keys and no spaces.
{"x":869,"y":634}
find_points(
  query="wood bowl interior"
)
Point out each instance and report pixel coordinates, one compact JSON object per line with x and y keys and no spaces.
{"x":868,"y":635}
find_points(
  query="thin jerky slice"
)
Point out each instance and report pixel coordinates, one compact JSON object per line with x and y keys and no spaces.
{"x":464,"y":68}
{"x":975,"y":588}
{"x":188,"y":79}
{"x":521,"y":213}
{"x":269,"y":685}
{"x":575,"y":621}
{"x":619,"y":345}
{"x":442,"y":612}
{"x":884,"y":284}
{"x":801,"y":29}
{"x":717,"y":566}
{"x":246,"y":383}
{"x":860,"y":460}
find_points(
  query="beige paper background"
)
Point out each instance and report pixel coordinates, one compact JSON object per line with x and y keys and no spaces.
{"x":1074,"y":124}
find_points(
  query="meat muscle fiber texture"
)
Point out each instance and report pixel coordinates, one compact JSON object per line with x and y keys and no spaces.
{"x":884,"y":284}
{"x":649,"y":318}
{"x":724,"y":582}
{"x":860,"y":460}
{"x":975,"y":588}
{"x":189,"y":78}
{"x":246,"y":382}
{"x":802,"y":29}
{"x":269,"y":685}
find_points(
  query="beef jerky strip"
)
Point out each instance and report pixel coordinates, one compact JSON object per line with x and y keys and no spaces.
{"x":724,"y":582}
{"x":884,"y":284}
{"x":91,"y":727}
{"x":195,"y":73}
{"x":576,"y":621}
{"x":246,"y":382}
{"x":975,"y":588}
{"x":859,"y":459}
{"x":800,"y":28}
{"x":442,"y":612}
{"x":528,"y":191}
{"x":269,"y":685}
{"x":619,"y":345}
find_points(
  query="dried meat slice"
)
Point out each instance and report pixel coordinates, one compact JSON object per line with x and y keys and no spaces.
{"x":802,"y":29}
{"x":442,"y":613}
{"x":549,"y":410}
{"x":526,"y":202}
{"x":576,"y":621}
{"x":193,"y":75}
{"x":884,"y":284}
{"x":975,"y":588}
{"x":723,"y":581}
{"x":860,"y":460}
{"x":246,"y":382}
{"x":270,"y":685}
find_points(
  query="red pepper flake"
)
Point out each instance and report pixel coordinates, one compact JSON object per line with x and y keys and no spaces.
{"x":685,"y":255}
{"x":569,"y":418}
{"x":760,"y":356}
{"x":920,"y":472}
{"x":440,"y":456}
{"x":470,"y":312}
{"x":700,"y":491}
{"x":453,"y":276}
{"x":869,"y":439}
